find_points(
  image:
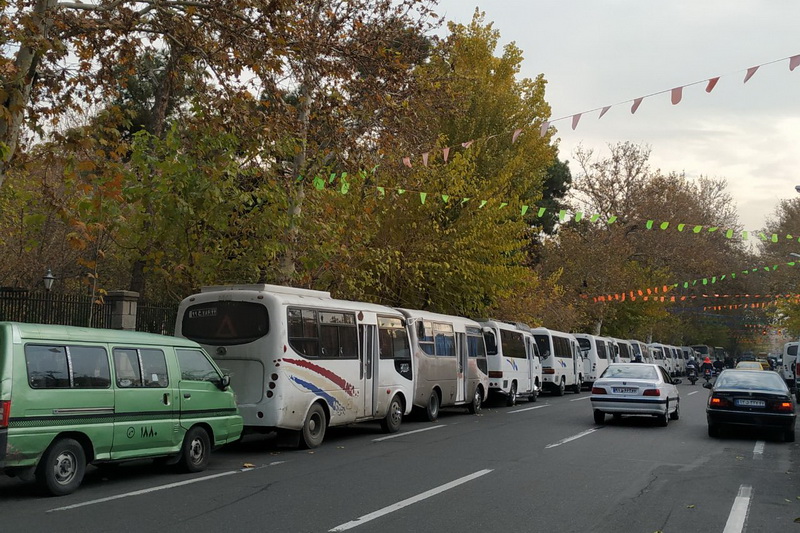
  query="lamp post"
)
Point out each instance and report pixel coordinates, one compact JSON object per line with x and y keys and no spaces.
{"x":48,"y":280}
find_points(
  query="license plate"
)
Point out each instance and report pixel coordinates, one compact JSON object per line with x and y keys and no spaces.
{"x":750,"y":403}
{"x":625,"y":390}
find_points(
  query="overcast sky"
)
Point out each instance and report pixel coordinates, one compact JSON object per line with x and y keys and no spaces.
{"x":595,"y":53}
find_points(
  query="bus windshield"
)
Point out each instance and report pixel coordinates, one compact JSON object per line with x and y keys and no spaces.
{"x":225,"y":323}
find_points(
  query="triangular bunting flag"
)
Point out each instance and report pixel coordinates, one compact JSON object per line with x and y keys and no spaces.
{"x":575,"y":118}
{"x":636,"y":104}
{"x":711,"y":84}
{"x":515,"y":135}
{"x":422,"y":197}
{"x":445,"y":153}
{"x":794,"y":61}
{"x":425,"y":159}
{"x":604,"y":111}
{"x":543,"y":128}
{"x":467,"y":144}
{"x":750,"y":72}
{"x":407,"y":161}
{"x":677,"y":94}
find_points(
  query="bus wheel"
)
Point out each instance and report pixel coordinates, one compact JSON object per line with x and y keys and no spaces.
{"x":534,"y":393}
{"x":314,"y":427}
{"x":511,"y":399}
{"x":433,"y":407}
{"x":196,"y":450}
{"x":61,"y":469}
{"x":391,"y":423}
{"x":477,"y":402}
{"x":561,"y":387}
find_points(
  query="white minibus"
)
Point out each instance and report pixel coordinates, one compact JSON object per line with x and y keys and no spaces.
{"x":659,"y":352}
{"x":301,"y":361}
{"x":788,"y":369}
{"x":641,"y":351}
{"x":595,"y":356}
{"x":562,"y":363}
{"x":515,"y":370}
{"x":624,"y":350}
{"x":450,"y":365}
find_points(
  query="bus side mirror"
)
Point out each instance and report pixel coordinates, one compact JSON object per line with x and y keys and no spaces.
{"x":225,"y":382}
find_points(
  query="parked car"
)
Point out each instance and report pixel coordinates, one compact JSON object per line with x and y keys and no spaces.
{"x":747,"y":398}
{"x":636,"y":389}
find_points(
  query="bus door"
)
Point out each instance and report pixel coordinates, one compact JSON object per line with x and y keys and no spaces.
{"x":367,"y":372}
{"x":577,"y":360}
{"x":462,"y":369}
{"x":532,"y":361}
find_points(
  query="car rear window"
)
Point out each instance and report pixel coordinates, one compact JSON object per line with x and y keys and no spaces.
{"x":750,"y":380}
{"x":636,"y":371}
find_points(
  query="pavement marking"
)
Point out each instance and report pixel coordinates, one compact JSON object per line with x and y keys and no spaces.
{"x":528,"y":408}
{"x":403,"y":434}
{"x":693,"y":392}
{"x":758,"y":450}
{"x":161,"y":487}
{"x":739,"y":510}
{"x":569,"y":439}
{"x":579,"y":399}
{"x":409,"y":501}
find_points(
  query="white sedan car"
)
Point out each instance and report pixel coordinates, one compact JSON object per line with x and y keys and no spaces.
{"x":635,"y":389}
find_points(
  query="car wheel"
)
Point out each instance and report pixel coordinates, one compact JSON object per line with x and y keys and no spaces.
{"x":788,"y":436}
{"x":599,"y":417}
{"x":663,"y":420}
{"x":314,"y":427}
{"x":62,"y":467}
{"x":433,"y":407}
{"x":511,"y":398}
{"x":196,"y":450}
{"x":561,"y":387}
{"x":713,"y":431}
{"x":676,"y":414}
{"x":391,"y":422}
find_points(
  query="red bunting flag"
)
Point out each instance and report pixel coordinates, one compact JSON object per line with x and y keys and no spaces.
{"x":636,"y":104}
{"x":677,"y":94}
{"x":467,"y":144}
{"x":794,"y":62}
{"x":407,"y":161}
{"x":543,"y":129}
{"x":711,"y":84}
{"x":445,"y":153}
{"x":604,"y":111}
{"x":515,"y":135}
{"x":750,"y":72}
{"x":575,"y":118}
{"x":425,"y":159}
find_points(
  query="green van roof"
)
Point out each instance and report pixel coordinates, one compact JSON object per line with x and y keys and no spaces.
{"x":51,"y":332}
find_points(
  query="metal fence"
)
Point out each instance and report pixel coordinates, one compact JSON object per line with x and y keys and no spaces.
{"x":19,"y":305}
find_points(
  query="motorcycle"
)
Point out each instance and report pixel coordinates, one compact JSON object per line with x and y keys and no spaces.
{"x":692,"y":375}
{"x":707,"y":374}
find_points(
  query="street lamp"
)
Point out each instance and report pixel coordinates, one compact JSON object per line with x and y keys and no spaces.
{"x":48,"y":280}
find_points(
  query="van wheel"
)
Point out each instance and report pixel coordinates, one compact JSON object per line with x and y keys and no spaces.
{"x":477,"y":402}
{"x":433,"y":407}
{"x":196,"y":450}
{"x":62,"y":467}
{"x":561,"y":388}
{"x":391,"y":423}
{"x":511,"y":398}
{"x":599,"y":417}
{"x":314,"y":427}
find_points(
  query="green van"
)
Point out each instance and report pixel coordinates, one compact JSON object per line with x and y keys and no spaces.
{"x":72,"y":396}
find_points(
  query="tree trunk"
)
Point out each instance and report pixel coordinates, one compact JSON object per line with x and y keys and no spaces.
{"x":17,"y":87}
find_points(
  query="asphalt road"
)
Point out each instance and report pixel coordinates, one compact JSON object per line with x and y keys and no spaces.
{"x":542,"y":466}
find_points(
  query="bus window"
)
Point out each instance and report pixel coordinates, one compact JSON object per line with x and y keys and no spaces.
{"x":225,"y":323}
{"x":491,"y":342}
{"x":445,"y":340}
{"x":513,"y":344}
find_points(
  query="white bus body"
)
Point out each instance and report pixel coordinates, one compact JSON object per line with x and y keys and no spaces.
{"x":301,"y":361}
{"x":640,"y":349}
{"x":595,"y":352}
{"x":450,"y":365}
{"x":788,"y":369}
{"x":659,"y":352}
{"x":624,"y":350}
{"x":562,"y":363}
{"x":513,"y":361}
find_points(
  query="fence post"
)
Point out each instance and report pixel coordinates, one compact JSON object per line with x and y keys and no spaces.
{"x":123,"y":309}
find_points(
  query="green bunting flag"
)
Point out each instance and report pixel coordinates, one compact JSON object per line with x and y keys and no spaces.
{"x":422,"y":197}
{"x":649,"y":224}
{"x":483,"y":203}
{"x":562,"y":214}
{"x":578,"y":216}
{"x":382,"y":191}
{"x":594,"y":218}
{"x":319,"y":183}
{"x":445,"y":198}
{"x":712,"y":230}
{"x":541,"y":212}
{"x":524,"y":210}
{"x":612,"y":219}
{"x":698,"y":229}
{"x":681,"y":226}
{"x":664,"y":225}
{"x":729,"y":233}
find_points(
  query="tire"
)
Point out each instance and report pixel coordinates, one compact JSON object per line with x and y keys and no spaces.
{"x":62,"y":467}
{"x":196,"y":450}
{"x":511,"y":397}
{"x":432,"y":411}
{"x":391,"y":422}
{"x":713,"y":431}
{"x":477,"y":402}
{"x":314,"y":427}
{"x":576,"y":388}
{"x":788,"y":436}
{"x":534,"y":393}
{"x":663,"y":420}
{"x":599,"y":417}
{"x":560,"y":389}
{"x":676,"y":414}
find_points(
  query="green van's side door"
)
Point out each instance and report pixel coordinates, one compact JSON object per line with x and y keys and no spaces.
{"x":145,"y":421}
{"x":201,"y":399}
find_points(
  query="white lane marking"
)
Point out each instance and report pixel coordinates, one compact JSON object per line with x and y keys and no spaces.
{"x":579,"y":399}
{"x":739,"y":510}
{"x":409,"y":501}
{"x":528,"y":408}
{"x":162,"y":487}
{"x":569,"y":439}
{"x":758,"y":450}
{"x":693,"y":392}
{"x":395,"y":435}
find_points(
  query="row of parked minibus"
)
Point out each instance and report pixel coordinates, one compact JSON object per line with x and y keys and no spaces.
{"x":301,"y":361}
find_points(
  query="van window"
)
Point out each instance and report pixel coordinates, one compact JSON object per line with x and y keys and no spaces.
{"x":64,"y":367}
{"x":196,"y":367}
{"x":513,"y":344}
{"x":136,"y":367}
